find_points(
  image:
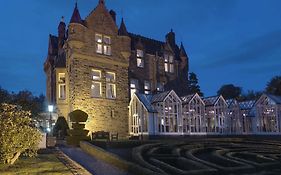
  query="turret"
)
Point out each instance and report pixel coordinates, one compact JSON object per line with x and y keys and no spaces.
{"x":123,"y":30}
{"x":113,"y":15}
{"x":61,"y":33}
{"x":171,"y":38}
{"x":76,"y":17}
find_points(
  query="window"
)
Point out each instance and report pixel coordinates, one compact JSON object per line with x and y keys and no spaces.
{"x":147,"y":87}
{"x":140,"y":60}
{"x":62,"y":86}
{"x":169,"y":63}
{"x":160,"y":87}
{"x":103,"y":44}
{"x":96,"y":84}
{"x":134,"y":86}
{"x":110,"y":85}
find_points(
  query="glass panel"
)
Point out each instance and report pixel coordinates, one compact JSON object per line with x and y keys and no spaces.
{"x":171,"y":59}
{"x":107,"y":40}
{"x":110,"y":77}
{"x":107,"y":50}
{"x":134,"y":83}
{"x":146,"y":85}
{"x":140,"y":62}
{"x":96,"y":74}
{"x":166,"y":67}
{"x":160,"y":87}
{"x":96,"y":89}
{"x":172,"y":68}
{"x":62,"y":90}
{"x":98,"y":38}
{"x":139,"y":53}
{"x":166,"y":58}
{"x":99,"y":48}
{"x":110,"y":91}
{"x":61,"y":77}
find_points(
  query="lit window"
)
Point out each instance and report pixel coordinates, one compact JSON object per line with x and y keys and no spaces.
{"x":110,"y":85}
{"x":160,"y":87}
{"x":134,"y":86}
{"x":103,"y":44}
{"x":147,"y":87}
{"x":169,"y":63}
{"x":96,"y":84}
{"x":62,"y":86}
{"x":140,"y":60}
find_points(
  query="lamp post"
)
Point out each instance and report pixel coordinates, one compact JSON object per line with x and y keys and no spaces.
{"x":50,"y":109}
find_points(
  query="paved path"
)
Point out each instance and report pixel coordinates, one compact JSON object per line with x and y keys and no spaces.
{"x":93,"y":165}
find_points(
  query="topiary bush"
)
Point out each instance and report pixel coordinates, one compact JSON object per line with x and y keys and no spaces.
{"x":17,"y":135}
{"x":78,"y":133}
{"x":60,"y":128}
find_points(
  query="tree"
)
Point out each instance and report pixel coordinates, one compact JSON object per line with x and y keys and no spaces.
{"x":17,"y":136}
{"x":250,"y":95}
{"x":60,"y":128}
{"x":230,"y":91}
{"x":193,"y":85}
{"x":4,"y":96}
{"x":274,"y":86}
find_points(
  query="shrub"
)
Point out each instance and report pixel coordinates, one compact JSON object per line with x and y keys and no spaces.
{"x":78,"y":133}
{"x":60,"y":128}
{"x":17,"y":136}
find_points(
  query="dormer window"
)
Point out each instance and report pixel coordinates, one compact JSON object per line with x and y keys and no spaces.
{"x":169,"y":63}
{"x":103,"y":44}
{"x":140,"y":59}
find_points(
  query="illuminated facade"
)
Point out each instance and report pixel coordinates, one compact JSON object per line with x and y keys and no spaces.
{"x":95,"y":66}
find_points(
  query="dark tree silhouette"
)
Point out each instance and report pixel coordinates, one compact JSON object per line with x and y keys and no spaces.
{"x":5,"y":96}
{"x":193,"y":85}
{"x":274,"y":86}
{"x":230,"y":91}
{"x":250,"y":95}
{"x":60,"y":128}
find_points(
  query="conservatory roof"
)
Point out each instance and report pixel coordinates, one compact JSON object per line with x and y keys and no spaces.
{"x":160,"y":97}
{"x":247,"y":104}
{"x":210,"y":101}
{"x":276,"y":99}
{"x":230,"y":102}
{"x":146,"y":101}
{"x":186,"y":99}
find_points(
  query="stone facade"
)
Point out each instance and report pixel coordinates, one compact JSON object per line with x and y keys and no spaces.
{"x":75,"y":54}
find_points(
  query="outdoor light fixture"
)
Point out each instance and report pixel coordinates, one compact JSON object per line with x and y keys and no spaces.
{"x":50,"y":108}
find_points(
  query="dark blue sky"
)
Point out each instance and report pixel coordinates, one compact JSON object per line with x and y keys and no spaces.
{"x":228,"y":41}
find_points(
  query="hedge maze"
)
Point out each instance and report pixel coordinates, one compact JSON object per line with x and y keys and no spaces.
{"x":211,"y":156}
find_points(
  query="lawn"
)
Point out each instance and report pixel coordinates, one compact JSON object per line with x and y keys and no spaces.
{"x":42,"y":164}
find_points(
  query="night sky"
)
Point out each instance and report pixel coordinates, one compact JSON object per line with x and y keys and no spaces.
{"x":228,"y":41}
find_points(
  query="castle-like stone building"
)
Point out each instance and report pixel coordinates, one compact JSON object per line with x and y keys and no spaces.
{"x":95,"y":66}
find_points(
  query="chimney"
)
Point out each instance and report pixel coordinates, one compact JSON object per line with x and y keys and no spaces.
{"x":113,"y":15}
{"x":171,"y":38}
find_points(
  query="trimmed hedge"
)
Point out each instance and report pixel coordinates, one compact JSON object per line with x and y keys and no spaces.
{"x":78,"y":133}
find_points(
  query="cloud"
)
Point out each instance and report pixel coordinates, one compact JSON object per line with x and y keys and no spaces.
{"x":258,"y":49}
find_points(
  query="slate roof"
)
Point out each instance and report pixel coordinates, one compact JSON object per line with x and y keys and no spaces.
{"x":246,"y":105}
{"x":159,"y":97}
{"x":146,"y":100}
{"x":76,"y":17}
{"x":230,"y":102}
{"x":210,"y":101}
{"x":276,"y":99}
{"x":123,"y":30}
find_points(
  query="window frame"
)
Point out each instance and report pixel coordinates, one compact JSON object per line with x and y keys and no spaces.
{"x":102,"y":46}
{"x":109,"y":83}
{"x":140,"y":58}
{"x":62,"y":85}
{"x":96,"y":81}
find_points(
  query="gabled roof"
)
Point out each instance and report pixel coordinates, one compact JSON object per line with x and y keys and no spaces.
{"x":187,"y":98}
{"x":160,"y":97}
{"x":146,"y":101}
{"x":230,"y":102}
{"x":211,"y":101}
{"x":246,"y":105}
{"x":276,"y":99}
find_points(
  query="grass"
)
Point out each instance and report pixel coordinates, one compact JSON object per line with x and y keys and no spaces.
{"x":46,"y":164}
